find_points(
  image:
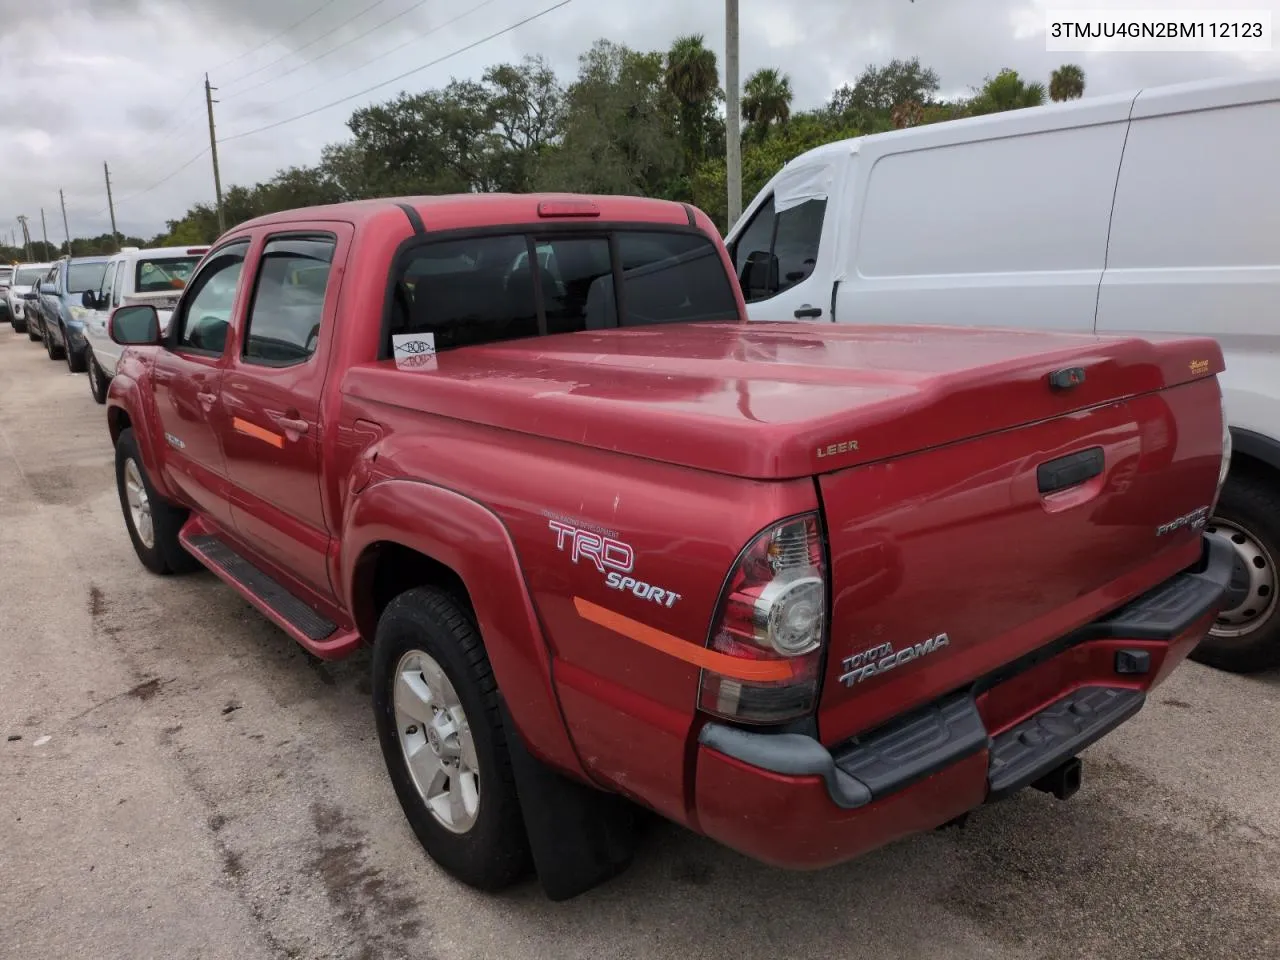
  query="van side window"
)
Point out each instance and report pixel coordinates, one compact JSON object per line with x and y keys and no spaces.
{"x":288,"y":300}
{"x":780,"y":249}
{"x":756,"y":239}
{"x":795,"y":243}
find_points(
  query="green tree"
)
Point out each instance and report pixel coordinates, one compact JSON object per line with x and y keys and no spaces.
{"x":692,"y":78}
{"x":766,"y":100}
{"x":526,"y":109}
{"x":761,"y":160}
{"x":1066,"y":83}
{"x":619,"y":134}
{"x":868,"y":104}
{"x":1006,"y":91}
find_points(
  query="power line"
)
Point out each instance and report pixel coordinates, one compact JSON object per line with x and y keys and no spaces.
{"x":273,"y":39}
{"x":407,"y":73}
{"x":416,"y":38}
{"x":158,"y":183}
{"x":309,"y":43}
{"x":331,"y":50}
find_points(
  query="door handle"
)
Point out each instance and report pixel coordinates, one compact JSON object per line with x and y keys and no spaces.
{"x":291,"y":426}
{"x":207,"y":400}
{"x":808,"y":313}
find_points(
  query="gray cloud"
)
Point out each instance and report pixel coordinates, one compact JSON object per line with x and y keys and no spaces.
{"x":121,"y":80}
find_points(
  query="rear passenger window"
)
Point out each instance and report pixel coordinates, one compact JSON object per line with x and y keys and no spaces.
{"x":288,"y":300}
{"x":489,"y":289}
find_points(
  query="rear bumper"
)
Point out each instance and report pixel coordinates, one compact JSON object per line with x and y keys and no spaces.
{"x":788,"y":800}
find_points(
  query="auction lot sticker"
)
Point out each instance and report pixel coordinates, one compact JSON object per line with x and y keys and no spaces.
{"x":414,"y":351}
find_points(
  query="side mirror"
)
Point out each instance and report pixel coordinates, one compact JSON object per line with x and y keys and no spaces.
{"x":759,"y":277}
{"x":134,"y":326}
{"x":89,"y":300}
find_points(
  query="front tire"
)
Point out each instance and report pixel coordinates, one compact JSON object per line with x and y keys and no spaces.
{"x":20,"y":326}
{"x":54,"y":351}
{"x":436,"y":708}
{"x":98,"y":379}
{"x":153,"y":523}
{"x":75,"y":358}
{"x":1246,"y":636}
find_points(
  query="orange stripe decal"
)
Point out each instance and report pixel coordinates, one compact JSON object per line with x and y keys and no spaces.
{"x":255,"y":431}
{"x":721,"y":663}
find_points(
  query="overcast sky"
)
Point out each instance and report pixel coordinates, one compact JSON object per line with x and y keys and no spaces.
{"x":85,"y":81}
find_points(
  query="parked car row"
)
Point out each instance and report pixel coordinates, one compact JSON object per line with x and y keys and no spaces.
{"x":66,"y":305}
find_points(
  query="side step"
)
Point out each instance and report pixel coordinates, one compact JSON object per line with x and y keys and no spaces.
{"x":1044,"y":741}
{"x":318,"y":634}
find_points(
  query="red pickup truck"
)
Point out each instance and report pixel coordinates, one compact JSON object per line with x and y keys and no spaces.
{"x":801,"y":589}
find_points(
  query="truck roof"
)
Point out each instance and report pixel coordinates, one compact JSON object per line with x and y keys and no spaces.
{"x":463,"y":210}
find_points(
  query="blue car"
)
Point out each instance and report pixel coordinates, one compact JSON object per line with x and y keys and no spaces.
{"x":62,"y":310}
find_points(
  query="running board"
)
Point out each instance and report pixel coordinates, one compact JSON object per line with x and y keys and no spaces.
{"x":311,"y":629}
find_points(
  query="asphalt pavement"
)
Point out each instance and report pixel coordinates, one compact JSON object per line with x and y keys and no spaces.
{"x":178,"y":780}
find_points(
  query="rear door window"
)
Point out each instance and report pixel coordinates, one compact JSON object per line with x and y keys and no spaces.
{"x":288,"y":300}
{"x":490,"y":289}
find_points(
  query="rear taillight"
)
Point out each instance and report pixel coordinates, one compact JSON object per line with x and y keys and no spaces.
{"x":773,"y":608}
{"x":1225,"y":464}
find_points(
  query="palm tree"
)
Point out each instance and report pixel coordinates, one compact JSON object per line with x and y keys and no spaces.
{"x":1066,"y":83}
{"x":766,"y":100}
{"x":693,"y":79}
{"x":1007,"y":91}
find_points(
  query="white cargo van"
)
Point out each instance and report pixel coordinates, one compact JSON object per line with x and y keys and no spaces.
{"x":1147,"y":213}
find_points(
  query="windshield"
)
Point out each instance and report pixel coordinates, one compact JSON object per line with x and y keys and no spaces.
{"x":85,"y":276}
{"x":163,"y":274}
{"x":27,"y":276}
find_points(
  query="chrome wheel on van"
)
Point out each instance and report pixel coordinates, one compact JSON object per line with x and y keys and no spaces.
{"x":1253,"y":581}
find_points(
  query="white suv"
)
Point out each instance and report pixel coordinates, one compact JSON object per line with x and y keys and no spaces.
{"x":24,"y":279}
{"x":154,"y":276}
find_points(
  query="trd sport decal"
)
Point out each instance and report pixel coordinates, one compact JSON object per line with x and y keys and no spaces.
{"x":611,"y":557}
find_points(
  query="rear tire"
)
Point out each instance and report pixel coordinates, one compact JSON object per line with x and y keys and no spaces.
{"x":98,"y":379}
{"x":153,"y":523}
{"x":491,"y":851}
{"x":1246,"y":637}
{"x":20,"y":326}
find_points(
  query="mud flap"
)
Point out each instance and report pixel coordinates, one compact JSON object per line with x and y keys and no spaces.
{"x":580,"y":837}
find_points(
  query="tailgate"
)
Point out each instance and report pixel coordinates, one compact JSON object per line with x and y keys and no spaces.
{"x":961,"y":541}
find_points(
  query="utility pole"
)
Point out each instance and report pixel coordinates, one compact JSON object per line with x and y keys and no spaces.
{"x":115,"y":237}
{"x":733,"y":112}
{"x":26,"y":235}
{"x":213,"y":148}
{"x":44,"y":231}
{"x":65,"y":229}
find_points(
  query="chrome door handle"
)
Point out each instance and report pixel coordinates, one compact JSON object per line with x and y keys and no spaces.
{"x":290,"y":425}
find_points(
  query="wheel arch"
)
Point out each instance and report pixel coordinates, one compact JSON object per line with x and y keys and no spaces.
{"x":1255,"y":452}
{"x":399,"y":534}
